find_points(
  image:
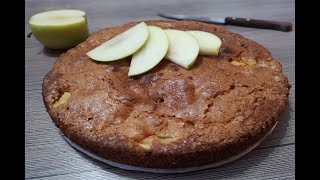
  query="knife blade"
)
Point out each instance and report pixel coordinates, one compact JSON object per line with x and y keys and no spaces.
{"x":244,"y":22}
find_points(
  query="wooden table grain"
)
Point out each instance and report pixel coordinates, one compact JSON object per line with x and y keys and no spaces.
{"x":48,"y":156}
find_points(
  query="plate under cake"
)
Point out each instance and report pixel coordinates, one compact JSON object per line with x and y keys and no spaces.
{"x":169,"y":117}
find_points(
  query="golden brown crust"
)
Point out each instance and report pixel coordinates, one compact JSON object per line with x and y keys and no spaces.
{"x":169,"y":117}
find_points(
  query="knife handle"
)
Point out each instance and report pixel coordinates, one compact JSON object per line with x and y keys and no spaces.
{"x":262,"y":24}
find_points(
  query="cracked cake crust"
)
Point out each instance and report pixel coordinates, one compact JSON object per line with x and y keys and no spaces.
{"x":169,"y":117}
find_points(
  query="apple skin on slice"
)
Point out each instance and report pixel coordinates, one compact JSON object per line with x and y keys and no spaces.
{"x":60,"y":29}
{"x":209,"y":43}
{"x":122,"y":45}
{"x":183,"y":48}
{"x":151,"y":53}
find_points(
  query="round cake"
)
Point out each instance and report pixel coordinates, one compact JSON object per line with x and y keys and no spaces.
{"x":169,"y":117}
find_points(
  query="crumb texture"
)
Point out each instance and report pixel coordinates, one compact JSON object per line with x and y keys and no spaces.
{"x":169,"y":117}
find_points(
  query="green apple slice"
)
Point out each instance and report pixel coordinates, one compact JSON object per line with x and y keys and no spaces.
{"x":122,"y":45}
{"x":60,"y":29}
{"x":209,"y":43}
{"x":151,"y":53}
{"x":183,"y":48}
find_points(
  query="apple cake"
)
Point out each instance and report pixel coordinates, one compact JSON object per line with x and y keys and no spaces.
{"x":169,"y":117}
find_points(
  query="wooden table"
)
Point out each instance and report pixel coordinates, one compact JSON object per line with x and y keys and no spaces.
{"x":48,"y":156}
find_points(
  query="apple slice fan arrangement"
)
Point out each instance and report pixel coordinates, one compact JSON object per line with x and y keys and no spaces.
{"x":148,"y":45}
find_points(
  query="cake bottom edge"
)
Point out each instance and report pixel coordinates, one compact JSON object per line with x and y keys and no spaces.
{"x":162,"y":170}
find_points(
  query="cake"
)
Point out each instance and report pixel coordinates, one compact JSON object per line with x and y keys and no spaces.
{"x":169,"y":117}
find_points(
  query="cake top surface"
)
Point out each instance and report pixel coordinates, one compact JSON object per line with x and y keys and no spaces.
{"x":220,"y":100}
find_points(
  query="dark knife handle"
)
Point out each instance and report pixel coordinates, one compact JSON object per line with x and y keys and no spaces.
{"x":280,"y":26}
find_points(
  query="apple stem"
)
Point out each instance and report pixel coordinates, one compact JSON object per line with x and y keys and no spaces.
{"x":29,"y":35}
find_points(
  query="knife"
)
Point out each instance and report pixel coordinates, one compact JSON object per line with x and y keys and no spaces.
{"x":245,"y":22}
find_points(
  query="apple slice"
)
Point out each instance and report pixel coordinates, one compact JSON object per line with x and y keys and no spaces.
{"x":122,"y":45}
{"x":151,"y":53}
{"x":209,"y":43}
{"x":60,"y":29}
{"x":183,"y":48}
